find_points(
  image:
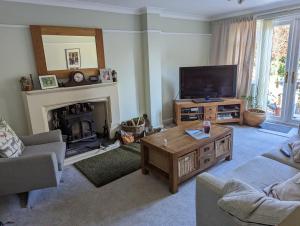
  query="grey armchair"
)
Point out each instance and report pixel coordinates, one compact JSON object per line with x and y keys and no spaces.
{"x":39,"y":166}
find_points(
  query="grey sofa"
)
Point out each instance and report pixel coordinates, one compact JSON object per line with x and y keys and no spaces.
{"x":260,"y":172}
{"x":39,"y":166}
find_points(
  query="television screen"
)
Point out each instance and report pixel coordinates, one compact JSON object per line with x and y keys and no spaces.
{"x":208,"y":81}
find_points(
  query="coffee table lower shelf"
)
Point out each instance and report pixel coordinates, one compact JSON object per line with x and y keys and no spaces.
{"x":180,"y":166}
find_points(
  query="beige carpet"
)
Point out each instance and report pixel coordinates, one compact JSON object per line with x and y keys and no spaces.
{"x":132,"y":200}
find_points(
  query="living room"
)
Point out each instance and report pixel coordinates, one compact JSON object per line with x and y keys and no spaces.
{"x":97,"y":98}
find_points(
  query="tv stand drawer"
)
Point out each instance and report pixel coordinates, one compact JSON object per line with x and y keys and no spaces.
{"x":210,"y":117}
{"x":210,"y":110}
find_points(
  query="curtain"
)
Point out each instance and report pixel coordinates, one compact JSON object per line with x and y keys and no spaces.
{"x":233,"y":42}
{"x":263,"y":62}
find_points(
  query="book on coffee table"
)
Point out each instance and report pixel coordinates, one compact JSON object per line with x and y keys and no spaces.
{"x":196,"y":134}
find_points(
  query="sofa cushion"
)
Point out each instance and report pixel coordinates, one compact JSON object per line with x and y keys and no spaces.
{"x":10,"y":144}
{"x":278,"y":156}
{"x":59,"y":148}
{"x":261,"y":172}
{"x":295,"y":147}
{"x":288,"y":190}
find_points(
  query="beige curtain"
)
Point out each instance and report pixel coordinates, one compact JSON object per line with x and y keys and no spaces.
{"x":233,"y":42}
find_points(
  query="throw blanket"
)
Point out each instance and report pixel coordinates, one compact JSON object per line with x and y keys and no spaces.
{"x":250,"y":205}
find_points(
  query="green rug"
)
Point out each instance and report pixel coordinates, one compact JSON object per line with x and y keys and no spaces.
{"x":109,"y":166}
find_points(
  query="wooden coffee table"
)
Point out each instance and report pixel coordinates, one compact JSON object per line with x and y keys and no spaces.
{"x":183,"y":156}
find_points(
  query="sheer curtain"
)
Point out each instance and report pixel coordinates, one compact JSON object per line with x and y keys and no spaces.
{"x":233,"y":42}
{"x":263,"y":62}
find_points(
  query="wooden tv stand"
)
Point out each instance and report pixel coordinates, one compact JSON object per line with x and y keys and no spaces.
{"x":229,"y":111}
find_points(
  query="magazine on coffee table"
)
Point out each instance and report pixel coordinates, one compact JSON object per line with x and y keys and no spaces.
{"x":197,"y":134}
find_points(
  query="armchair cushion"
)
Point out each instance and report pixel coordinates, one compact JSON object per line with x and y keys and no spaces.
{"x":10,"y":144}
{"x":58,"y":148}
{"x":42,"y":138}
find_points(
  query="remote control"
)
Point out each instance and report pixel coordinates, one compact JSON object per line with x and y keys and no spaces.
{"x":286,"y":153}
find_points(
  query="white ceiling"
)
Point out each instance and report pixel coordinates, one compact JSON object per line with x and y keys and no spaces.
{"x":201,"y":9}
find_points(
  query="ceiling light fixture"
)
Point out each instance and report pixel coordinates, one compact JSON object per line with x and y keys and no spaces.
{"x":239,"y":1}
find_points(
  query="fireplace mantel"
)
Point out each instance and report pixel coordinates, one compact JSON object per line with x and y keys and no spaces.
{"x":63,"y":89}
{"x":39,"y":102}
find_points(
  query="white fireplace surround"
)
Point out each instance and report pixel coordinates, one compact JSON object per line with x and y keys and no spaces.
{"x":39,"y":102}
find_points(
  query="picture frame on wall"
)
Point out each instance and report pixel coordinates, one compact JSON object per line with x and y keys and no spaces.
{"x":106,"y":75}
{"x":48,"y":81}
{"x":73,"y":58}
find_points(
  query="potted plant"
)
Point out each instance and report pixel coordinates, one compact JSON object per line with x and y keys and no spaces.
{"x":253,"y":116}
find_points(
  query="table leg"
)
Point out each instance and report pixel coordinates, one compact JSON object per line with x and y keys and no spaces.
{"x":228,"y":158}
{"x":173,"y":174}
{"x":144,"y":159}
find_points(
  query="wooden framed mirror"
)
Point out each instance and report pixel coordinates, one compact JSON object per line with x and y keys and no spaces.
{"x":61,"y":50}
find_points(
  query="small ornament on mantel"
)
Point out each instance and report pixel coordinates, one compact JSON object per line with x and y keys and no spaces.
{"x":26,"y":83}
{"x":114,"y":75}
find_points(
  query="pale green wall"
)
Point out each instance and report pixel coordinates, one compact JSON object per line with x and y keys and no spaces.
{"x":124,"y":51}
{"x":16,"y":59}
{"x":172,"y":25}
{"x":151,"y":22}
{"x":184,"y":26}
{"x":25,"y":14}
{"x":152,"y":59}
{"x":180,"y":50}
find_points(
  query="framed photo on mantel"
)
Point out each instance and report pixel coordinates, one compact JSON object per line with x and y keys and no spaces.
{"x":48,"y":81}
{"x":106,"y":75}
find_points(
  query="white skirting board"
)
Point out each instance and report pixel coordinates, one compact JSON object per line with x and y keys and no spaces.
{"x":292,"y":133}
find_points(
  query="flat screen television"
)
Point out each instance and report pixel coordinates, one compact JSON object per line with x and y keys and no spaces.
{"x":207,"y":81}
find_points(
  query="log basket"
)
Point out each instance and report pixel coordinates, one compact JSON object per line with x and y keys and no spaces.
{"x":135,"y":125}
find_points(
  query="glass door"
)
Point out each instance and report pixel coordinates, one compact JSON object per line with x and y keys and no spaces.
{"x":294,"y":95}
{"x":278,"y":82}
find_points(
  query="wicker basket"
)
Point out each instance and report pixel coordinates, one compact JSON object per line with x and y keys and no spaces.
{"x":135,"y":126}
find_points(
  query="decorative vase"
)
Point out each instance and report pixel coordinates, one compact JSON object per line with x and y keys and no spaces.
{"x":254,"y":117}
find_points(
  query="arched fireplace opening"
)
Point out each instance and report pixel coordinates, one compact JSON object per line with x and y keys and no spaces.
{"x":83,"y":126}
